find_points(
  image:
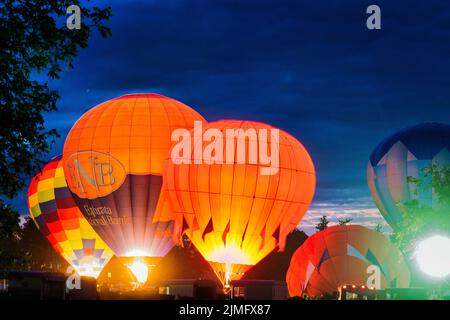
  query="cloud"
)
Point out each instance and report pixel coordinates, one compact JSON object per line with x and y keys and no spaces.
{"x":360,"y":211}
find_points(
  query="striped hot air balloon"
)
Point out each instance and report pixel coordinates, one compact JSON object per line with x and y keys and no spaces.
{"x":58,"y":218}
{"x":342,"y":255}
{"x":402,"y":156}
{"x":236,"y":210}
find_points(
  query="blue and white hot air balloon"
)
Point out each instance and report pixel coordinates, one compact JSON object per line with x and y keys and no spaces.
{"x":402,"y":155}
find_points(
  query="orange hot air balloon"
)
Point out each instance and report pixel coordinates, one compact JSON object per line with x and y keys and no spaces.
{"x":234,"y":202}
{"x":57,"y":217}
{"x":113,"y":161}
{"x":345,"y":255}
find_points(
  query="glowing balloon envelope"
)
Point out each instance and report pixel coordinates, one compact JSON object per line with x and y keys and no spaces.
{"x":58,"y":218}
{"x":113,"y":160}
{"x":343,"y":255}
{"x":233,"y":202}
{"x":403,"y":156}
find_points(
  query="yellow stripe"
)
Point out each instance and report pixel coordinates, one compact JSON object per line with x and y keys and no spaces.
{"x":35,"y":211}
{"x":76,"y":244}
{"x":66,"y":247}
{"x":47,"y":195}
{"x":59,"y":172}
{"x":60,"y":182}
{"x":73,"y":234}
{"x":33,"y":200}
{"x":44,"y":185}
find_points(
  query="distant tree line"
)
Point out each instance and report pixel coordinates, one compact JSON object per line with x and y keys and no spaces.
{"x":324,"y":222}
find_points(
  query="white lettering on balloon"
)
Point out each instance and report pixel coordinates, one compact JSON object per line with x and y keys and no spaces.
{"x":256,"y":152}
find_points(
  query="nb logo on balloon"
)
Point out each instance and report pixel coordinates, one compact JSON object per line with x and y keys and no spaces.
{"x":93,"y":174}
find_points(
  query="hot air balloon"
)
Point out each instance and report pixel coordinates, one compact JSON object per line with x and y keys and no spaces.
{"x":404,"y":156}
{"x":342,"y":255}
{"x":234,"y":204}
{"x":113,"y":161}
{"x":58,"y":218}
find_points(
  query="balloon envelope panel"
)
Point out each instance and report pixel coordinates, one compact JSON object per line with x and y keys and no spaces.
{"x":113,"y":158}
{"x":58,"y":218}
{"x":340,"y":255}
{"x":233,"y":213}
{"x":402,"y":155}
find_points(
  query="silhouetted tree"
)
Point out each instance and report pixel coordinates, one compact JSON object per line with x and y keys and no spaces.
{"x":35,"y":45}
{"x":9,"y":238}
{"x":37,"y":251}
{"x":378,"y":228}
{"x":343,"y":222}
{"x":322,"y":224}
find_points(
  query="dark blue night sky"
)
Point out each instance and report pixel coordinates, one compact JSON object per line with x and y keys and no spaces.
{"x":310,"y":68}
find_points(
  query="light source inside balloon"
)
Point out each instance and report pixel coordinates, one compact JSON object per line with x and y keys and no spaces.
{"x":230,"y":262}
{"x":228,"y":275}
{"x":433,"y":256}
{"x":229,"y":254}
{"x":139,"y":270}
{"x":138,"y":253}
